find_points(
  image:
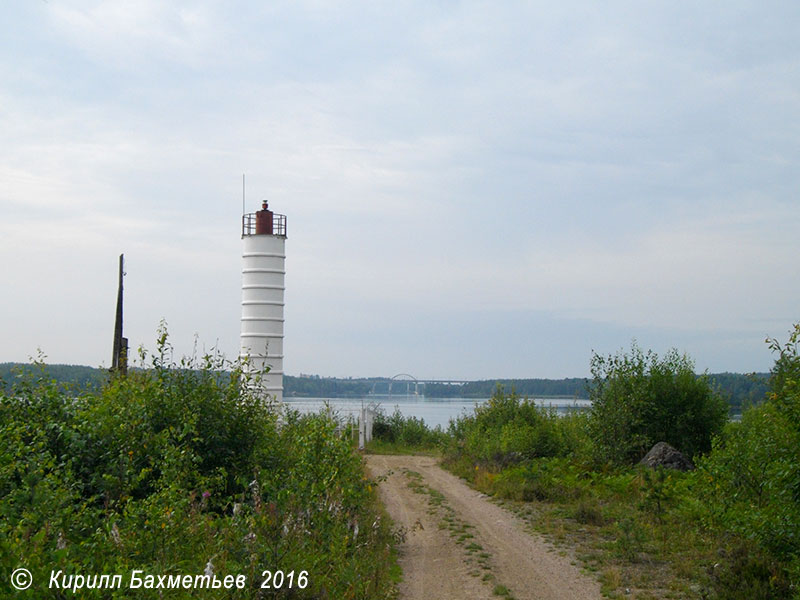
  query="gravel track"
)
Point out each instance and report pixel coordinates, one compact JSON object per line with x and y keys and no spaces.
{"x":435,"y":567}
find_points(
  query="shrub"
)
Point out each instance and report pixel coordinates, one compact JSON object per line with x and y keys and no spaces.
{"x":509,"y":429}
{"x":785,"y":375}
{"x":407,"y":432}
{"x":640,"y":399}
{"x":751,"y":479}
{"x":178,"y":469}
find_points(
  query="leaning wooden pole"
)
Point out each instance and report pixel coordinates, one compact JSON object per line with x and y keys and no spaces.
{"x":119,"y":358}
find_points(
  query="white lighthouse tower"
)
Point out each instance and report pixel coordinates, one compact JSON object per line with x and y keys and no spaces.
{"x":263,"y":274}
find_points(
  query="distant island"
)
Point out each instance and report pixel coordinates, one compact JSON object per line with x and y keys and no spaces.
{"x":740,"y":390}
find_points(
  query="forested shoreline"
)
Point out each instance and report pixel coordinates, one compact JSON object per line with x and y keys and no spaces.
{"x":740,"y":390}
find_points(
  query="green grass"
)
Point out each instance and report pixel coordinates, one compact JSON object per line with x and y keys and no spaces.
{"x":501,"y":590}
{"x":380,"y":446}
{"x":605,"y":520}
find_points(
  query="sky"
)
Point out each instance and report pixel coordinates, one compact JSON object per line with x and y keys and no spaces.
{"x":473,"y":190}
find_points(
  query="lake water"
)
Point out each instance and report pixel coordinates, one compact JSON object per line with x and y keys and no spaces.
{"x":434,"y":411}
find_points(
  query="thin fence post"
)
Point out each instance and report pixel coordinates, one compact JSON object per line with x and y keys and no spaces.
{"x":362,"y":429}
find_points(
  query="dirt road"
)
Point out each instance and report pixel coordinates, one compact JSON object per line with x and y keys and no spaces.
{"x":460,"y":546}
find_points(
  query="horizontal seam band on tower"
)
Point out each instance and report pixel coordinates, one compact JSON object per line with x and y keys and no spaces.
{"x":262,"y":303}
{"x":263,"y":319}
{"x":262,"y":356}
{"x":262,"y":255}
{"x":258,"y":286}
{"x":264,"y":335}
{"x":259,"y":270}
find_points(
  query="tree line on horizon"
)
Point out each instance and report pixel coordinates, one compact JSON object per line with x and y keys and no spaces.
{"x":740,"y":390}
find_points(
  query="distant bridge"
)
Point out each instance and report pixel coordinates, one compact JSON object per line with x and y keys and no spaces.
{"x":410,"y":381}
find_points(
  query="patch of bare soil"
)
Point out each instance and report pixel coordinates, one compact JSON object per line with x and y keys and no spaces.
{"x":437,"y":567}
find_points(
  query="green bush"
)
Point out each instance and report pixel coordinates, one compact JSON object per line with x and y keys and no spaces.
{"x":785,"y":376}
{"x":509,"y":429}
{"x":180,"y":469}
{"x":751,"y":479}
{"x":640,"y":399}
{"x":406,"y":432}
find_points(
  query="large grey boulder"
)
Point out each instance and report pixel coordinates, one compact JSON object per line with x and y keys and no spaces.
{"x":664,"y":455}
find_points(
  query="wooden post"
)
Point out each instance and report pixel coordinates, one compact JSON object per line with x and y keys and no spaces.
{"x":119,"y":357}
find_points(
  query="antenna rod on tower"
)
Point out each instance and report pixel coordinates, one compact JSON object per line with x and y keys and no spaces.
{"x":244,"y":210}
{"x":119,"y":358}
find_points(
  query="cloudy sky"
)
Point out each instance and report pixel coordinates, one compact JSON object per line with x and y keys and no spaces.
{"x":473,"y":189}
